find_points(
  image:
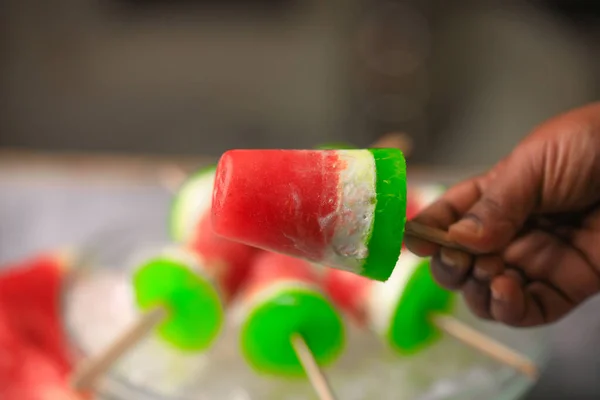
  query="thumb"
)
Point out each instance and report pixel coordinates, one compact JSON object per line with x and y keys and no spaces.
{"x":507,"y":196}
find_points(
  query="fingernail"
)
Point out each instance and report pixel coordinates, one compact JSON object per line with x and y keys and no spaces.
{"x":467,"y":225}
{"x":480,"y":274}
{"x":496,"y":294}
{"x":447,"y":259}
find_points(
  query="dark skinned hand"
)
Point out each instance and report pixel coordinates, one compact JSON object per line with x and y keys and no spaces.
{"x":534,"y":222}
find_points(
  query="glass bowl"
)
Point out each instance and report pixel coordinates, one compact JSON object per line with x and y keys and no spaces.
{"x":97,"y":305}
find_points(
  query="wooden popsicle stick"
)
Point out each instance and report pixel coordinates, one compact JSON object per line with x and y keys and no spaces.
{"x":431,"y":234}
{"x":87,"y":373}
{"x":315,"y":375}
{"x":486,"y":345}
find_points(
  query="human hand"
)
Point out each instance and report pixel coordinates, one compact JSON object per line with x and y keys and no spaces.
{"x":533,"y":222}
{"x":34,"y":360}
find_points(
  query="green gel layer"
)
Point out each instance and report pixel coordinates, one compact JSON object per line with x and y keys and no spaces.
{"x":411,"y":328}
{"x":195,"y":313}
{"x":387,"y":232}
{"x":266,"y":333}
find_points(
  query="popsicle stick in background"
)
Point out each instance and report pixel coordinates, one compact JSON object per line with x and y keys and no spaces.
{"x":486,"y":345}
{"x":88,"y":372}
{"x":458,"y":329}
{"x":315,"y":375}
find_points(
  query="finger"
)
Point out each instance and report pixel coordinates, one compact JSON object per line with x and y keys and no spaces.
{"x":587,"y":239}
{"x":533,"y":305}
{"x":553,"y":305}
{"x":450,"y":268}
{"x":508,"y":194}
{"x":477,"y":297}
{"x":421,"y":248}
{"x":443,"y":213}
{"x":486,"y":268}
{"x":476,"y":291}
{"x":509,"y":304}
{"x":517,"y":275}
{"x":543,"y":257}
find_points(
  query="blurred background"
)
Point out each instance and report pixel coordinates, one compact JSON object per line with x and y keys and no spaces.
{"x":465,"y":78}
{"x":187,"y":79}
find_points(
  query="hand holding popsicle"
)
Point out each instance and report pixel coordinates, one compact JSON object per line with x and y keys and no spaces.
{"x":538,"y":210}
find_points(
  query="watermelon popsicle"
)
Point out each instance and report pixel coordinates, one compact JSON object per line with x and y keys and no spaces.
{"x":225,"y":262}
{"x":180,"y":304}
{"x":29,"y":290}
{"x":398,"y":310}
{"x":191,"y":202}
{"x":221,"y":264}
{"x":182,"y":295}
{"x":410,"y":311}
{"x":282,"y":299}
{"x":176,"y":282}
{"x":341,"y":208}
{"x":218,"y":266}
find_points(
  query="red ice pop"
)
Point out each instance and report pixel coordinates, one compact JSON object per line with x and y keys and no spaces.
{"x":341,"y":208}
{"x":280,"y":299}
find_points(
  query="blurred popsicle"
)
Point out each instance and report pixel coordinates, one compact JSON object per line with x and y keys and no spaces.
{"x":410,"y":311}
{"x":179,"y":301}
{"x":283,"y":313}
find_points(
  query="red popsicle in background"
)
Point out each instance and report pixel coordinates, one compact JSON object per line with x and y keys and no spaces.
{"x":34,"y":356}
{"x":227,"y":262}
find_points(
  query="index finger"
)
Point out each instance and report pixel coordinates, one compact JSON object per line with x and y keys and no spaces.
{"x":445,"y":211}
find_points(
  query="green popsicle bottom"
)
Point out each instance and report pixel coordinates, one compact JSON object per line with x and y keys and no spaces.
{"x":267,"y":332}
{"x":177,"y":217}
{"x":195,"y":313}
{"x":411,"y":329}
{"x":385,"y":241}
